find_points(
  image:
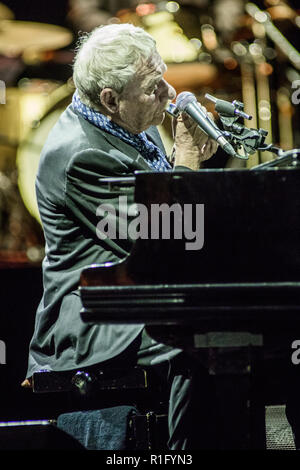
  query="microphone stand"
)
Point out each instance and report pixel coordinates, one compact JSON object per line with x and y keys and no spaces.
{"x":248,"y":141}
{"x":291,"y":157}
{"x":245,"y":141}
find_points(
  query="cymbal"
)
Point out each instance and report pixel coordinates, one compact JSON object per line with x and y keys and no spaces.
{"x":5,"y":13}
{"x":18,"y":37}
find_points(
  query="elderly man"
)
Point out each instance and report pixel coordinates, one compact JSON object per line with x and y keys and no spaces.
{"x":109,"y":130}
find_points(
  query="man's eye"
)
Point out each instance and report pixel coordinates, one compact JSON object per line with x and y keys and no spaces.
{"x":153,"y":90}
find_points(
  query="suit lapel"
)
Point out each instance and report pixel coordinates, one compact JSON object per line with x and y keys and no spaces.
{"x":137,"y":159}
{"x":129,"y":150}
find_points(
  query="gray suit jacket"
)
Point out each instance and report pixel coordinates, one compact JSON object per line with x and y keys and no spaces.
{"x":76,"y":154}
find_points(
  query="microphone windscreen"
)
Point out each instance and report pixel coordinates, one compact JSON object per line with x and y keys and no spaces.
{"x":184,"y":99}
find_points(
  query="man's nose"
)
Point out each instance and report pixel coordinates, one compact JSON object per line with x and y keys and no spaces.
{"x":171,"y":92}
{"x":167,"y":92}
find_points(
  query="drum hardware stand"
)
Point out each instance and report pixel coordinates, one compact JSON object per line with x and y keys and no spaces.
{"x":274,"y":33}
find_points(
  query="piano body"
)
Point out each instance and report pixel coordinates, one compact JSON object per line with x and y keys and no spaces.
{"x":224,"y":301}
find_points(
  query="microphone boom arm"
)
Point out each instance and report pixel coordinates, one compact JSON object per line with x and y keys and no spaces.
{"x":245,"y":141}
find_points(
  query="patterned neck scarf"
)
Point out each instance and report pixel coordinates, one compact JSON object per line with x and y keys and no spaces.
{"x":151,"y":153}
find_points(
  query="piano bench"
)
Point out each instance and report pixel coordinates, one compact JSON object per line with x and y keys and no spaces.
{"x":86,"y":381}
{"x":98,"y":388}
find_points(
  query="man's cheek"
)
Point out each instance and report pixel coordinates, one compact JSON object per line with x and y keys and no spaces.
{"x":149,"y":100}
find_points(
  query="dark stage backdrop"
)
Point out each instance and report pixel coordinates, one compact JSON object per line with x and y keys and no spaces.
{"x":21,"y":290}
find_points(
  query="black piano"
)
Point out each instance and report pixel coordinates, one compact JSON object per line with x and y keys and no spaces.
{"x":223,"y":288}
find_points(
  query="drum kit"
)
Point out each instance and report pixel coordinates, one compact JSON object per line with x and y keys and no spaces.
{"x":23,"y":106}
{"x":30,"y":107}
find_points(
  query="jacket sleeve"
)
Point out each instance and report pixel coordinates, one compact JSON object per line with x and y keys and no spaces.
{"x":99,"y":209}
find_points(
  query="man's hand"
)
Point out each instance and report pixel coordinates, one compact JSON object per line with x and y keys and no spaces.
{"x":192,"y":145}
{"x":27,"y":383}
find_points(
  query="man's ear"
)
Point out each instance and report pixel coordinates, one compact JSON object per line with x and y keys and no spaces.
{"x":109,"y":99}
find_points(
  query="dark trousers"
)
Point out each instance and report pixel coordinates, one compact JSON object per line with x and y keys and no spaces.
{"x":293,"y":402}
{"x":192,"y":414}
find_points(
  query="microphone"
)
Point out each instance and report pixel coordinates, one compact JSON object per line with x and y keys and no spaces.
{"x":187,"y":102}
{"x":228,"y":109}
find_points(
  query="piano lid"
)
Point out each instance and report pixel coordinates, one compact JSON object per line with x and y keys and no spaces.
{"x":229,"y":226}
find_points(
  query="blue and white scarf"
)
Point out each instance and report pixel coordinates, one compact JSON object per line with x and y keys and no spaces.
{"x":151,"y":153}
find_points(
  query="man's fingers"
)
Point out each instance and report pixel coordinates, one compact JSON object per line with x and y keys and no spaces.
{"x":174,"y":127}
{"x":210,"y":148}
{"x":187,"y":120}
{"x":214,"y":146}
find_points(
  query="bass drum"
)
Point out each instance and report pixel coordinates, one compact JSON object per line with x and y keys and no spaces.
{"x":28,"y":153}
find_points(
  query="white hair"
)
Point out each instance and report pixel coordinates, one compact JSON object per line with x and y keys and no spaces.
{"x":108,"y":57}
